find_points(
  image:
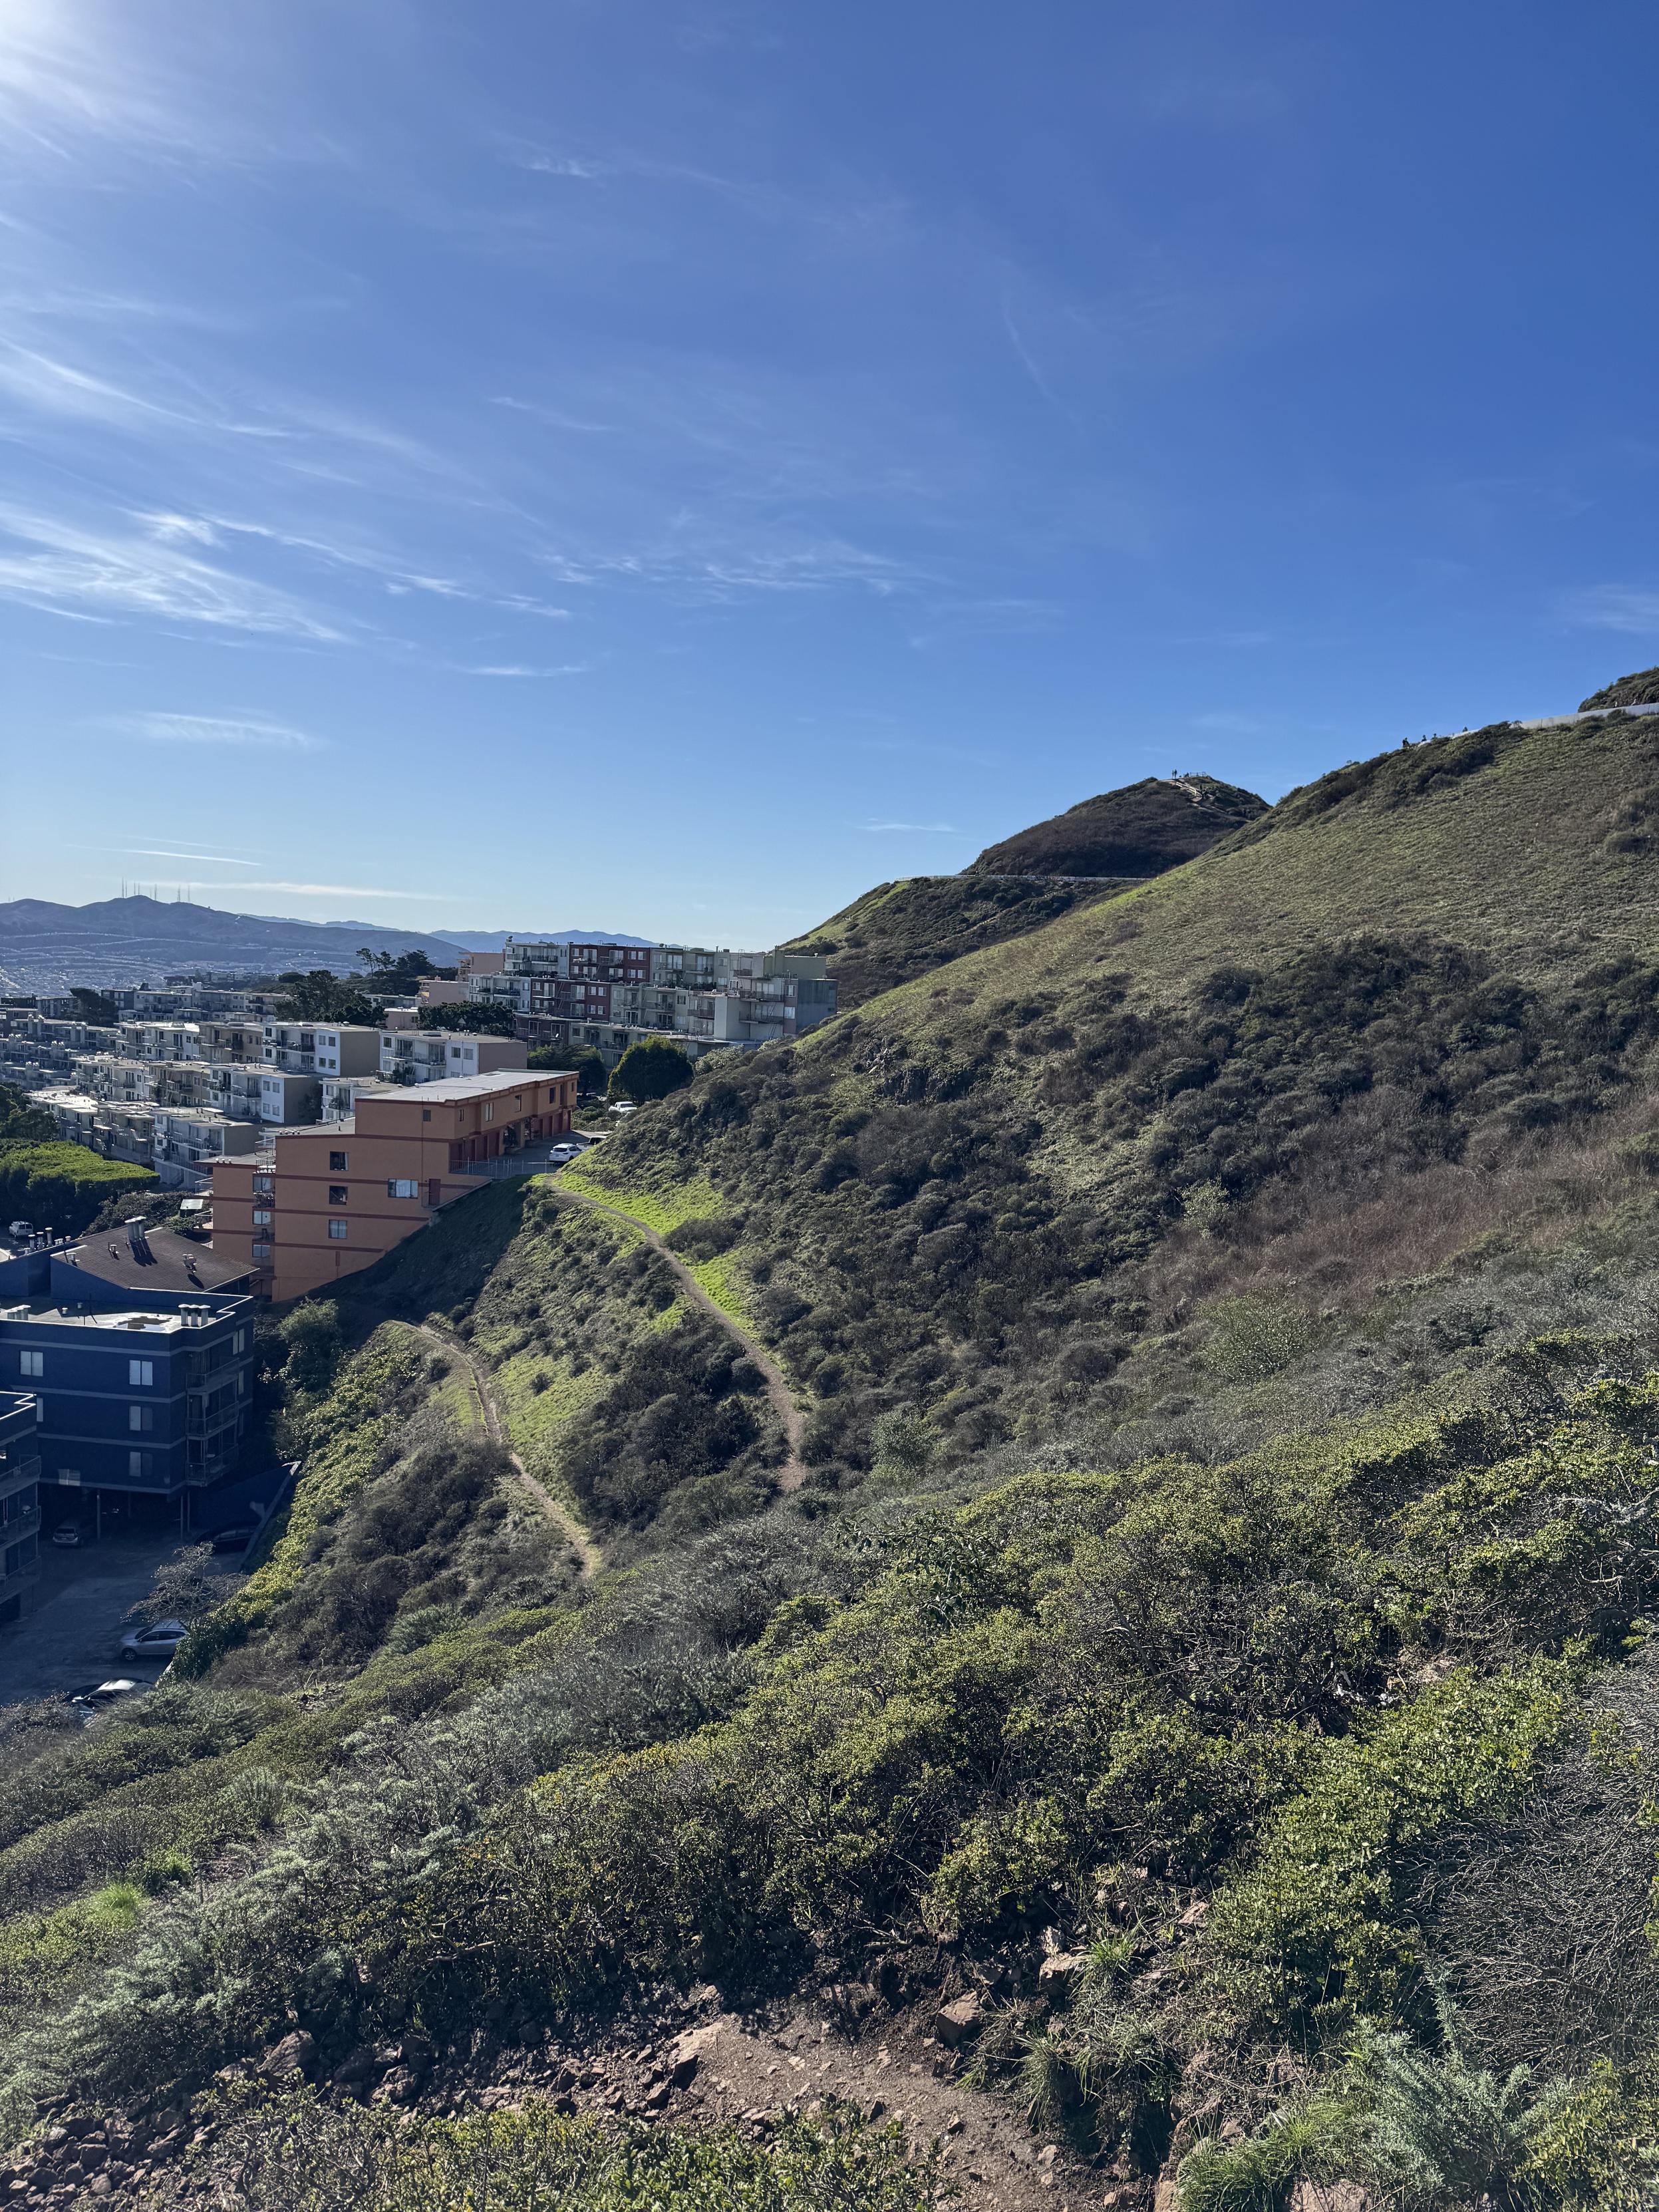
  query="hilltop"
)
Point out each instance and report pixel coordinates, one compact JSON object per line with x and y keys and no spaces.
{"x":1641,"y":690}
{"x":899,"y":931}
{"x":1141,"y":830}
{"x":1199,"y":1706}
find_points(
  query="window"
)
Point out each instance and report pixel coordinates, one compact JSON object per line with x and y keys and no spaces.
{"x":337,"y":1229}
{"x":261,"y":1252}
{"x":426,"y":1113}
{"x":337,"y":1163}
{"x":137,"y":1466}
{"x":398,"y":1188}
{"x":490,"y":1112}
{"x":141,"y":1374}
{"x":238,"y":1342}
{"x":262,"y":1216}
{"x":338,"y":1193}
{"x":32,"y":1363}
{"x":140,"y":1419}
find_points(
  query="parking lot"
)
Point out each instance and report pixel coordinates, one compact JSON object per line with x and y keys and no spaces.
{"x":73,"y":1635}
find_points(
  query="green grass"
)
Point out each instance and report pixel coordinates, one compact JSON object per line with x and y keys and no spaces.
{"x":1512,"y":858}
{"x":662,"y":1206}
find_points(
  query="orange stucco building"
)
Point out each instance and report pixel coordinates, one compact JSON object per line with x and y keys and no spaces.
{"x":326,"y":1200}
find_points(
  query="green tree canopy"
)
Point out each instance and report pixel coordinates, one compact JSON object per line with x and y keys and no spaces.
{"x":93,"y":1005}
{"x":581,"y":1061}
{"x":650,"y":1069}
{"x":323,"y":996}
{"x":472,"y":1017}
{"x":22,"y":1124}
{"x":62,"y":1186}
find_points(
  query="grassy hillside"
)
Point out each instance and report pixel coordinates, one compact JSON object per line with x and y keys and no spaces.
{"x":1212,"y":1653}
{"x":1141,"y":830}
{"x":899,"y":931}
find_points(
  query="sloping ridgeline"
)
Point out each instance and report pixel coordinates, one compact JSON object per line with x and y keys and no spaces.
{"x":899,"y":931}
{"x":1214,"y":1634}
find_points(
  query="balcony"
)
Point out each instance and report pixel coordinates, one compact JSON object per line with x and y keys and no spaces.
{"x":209,"y":1417}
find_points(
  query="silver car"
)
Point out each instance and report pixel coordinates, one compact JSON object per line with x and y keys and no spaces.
{"x":159,"y":1641}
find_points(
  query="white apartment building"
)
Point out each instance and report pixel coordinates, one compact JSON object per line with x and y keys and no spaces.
{"x":433,"y":1055}
{"x":319,"y":1048}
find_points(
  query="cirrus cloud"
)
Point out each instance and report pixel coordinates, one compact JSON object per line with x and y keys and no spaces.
{"x":171,"y":729}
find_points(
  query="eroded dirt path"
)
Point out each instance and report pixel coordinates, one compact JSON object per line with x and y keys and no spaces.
{"x":790,"y":1417}
{"x":575,"y":1533}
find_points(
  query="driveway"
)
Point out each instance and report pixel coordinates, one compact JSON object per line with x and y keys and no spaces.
{"x":74,"y":1631}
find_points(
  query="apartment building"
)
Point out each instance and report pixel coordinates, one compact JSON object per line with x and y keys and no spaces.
{"x":19,"y":1502}
{"x":141,"y":1394}
{"x":114,"y":1131}
{"x":186,"y":1140}
{"x":321,"y":1203}
{"x":319,"y":1048}
{"x":160,"y":1037}
{"x":699,"y":1000}
{"x":430,"y":1055}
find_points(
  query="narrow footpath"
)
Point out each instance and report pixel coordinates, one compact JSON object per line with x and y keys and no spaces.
{"x":783,"y":1398}
{"x":587,"y":1552}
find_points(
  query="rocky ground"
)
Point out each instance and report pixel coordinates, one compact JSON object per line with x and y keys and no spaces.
{"x":682,"y":2067}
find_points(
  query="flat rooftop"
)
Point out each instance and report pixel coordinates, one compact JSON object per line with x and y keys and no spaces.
{"x":453,"y":1089}
{"x":175,"y":1263}
{"x":127,"y":1324}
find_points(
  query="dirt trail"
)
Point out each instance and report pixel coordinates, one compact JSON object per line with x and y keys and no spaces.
{"x":783,"y":1398}
{"x":587,"y":1552}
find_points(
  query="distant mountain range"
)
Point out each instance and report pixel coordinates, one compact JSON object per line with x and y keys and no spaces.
{"x":47,"y":947}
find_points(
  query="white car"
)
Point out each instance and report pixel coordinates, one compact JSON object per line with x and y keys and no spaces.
{"x":159,"y":1641}
{"x":564,"y":1153}
{"x":626,"y":1106}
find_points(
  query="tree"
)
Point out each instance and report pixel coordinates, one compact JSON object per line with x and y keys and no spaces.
{"x":62,"y":1186}
{"x":186,"y":1587}
{"x":95,"y":1007}
{"x":580,"y":1061}
{"x":407,"y":968}
{"x":472,"y":1017}
{"x":321,"y":996}
{"x":22,"y":1124}
{"x":650,"y":1069}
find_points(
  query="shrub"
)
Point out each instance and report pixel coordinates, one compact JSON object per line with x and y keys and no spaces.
{"x":650,"y":1068}
{"x":301,"y":2156}
{"x":63,"y":1186}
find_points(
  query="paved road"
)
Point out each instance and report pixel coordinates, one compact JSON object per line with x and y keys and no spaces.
{"x":73,"y":1634}
{"x":777,"y":1387}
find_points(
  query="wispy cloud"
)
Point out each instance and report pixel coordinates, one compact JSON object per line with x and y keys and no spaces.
{"x":170,"y":729}
{"x":515,"y":668}
{"x":69,"y":569}
{"x":1615,"y":606}
{"x":340,"y":891}
{"x":915,"y":829}
{"x":212,"y":859}
{"x":165,"y":852}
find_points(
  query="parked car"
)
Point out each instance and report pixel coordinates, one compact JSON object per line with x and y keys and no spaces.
{"x":625,"y":1106}
{"x":98,"y":1695}
{"x":233,"y":1540}
{"x":20,"y":1231}
{"x":159,"y":1641}
{"x":67,"y":1532}
{"x":563,"y":1152}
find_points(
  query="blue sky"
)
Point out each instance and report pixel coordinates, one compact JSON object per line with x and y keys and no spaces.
{"x":669,"y":464}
